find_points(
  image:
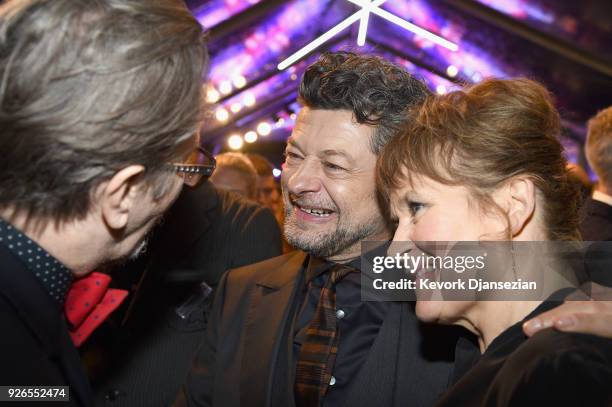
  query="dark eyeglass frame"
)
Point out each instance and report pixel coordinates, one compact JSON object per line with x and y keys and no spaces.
{"x":193,"y":173}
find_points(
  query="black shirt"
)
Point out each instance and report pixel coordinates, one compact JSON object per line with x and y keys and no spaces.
{"x":53,"y":275}
{"x":358,"y":325}
{"x":550,"y":369}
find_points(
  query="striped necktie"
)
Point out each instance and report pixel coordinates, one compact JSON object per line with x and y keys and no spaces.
{"x":318,"y":352}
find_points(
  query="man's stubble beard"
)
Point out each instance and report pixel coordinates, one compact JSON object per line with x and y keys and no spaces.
{"x":331,"y":243}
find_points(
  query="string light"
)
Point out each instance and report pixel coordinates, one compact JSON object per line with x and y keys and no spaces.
{"x":264,"y":129}
{"x":235,"y":107}
{"x":249,"y":100}
{"x":452,"y":71}
{"x":440,"y":89}
{"x":221,"y":114}
{"x":225,"y":87}
{"x":212,"y":96}
{"x":250,"y":136}
{"x":235,"y":142}
{"x":276,"y":172}
{"x":239,"y":81}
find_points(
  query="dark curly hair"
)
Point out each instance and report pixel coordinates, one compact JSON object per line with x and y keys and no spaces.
{"x":376,"y":91}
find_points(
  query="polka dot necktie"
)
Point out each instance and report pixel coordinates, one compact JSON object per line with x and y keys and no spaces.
{"x":318,"y":352}
{"x":88,"y":303}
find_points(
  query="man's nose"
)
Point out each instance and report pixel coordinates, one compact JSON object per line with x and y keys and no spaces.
{"x":306,"y":178}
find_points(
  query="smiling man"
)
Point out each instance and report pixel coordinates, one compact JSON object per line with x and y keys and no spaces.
{"x":293,"y":330}
{"x":329,"y":193}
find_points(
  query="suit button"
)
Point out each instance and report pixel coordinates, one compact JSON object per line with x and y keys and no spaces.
{"x":112,"y":395}
{"x":332,"y":381}
{"x":340,"y":314}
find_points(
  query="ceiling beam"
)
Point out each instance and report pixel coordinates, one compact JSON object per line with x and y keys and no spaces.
{"x":415,"y":60}
{"x":248,"y":17}
{"x":273,"y":72}
{"x":245,"y":117}
{"x":523,"y":30}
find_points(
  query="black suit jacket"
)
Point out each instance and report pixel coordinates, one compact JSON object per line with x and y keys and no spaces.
{"x":149,"y":348}
{"x":596,"y":224}
{"x":246,"y":358}
{"x":35,"y":348}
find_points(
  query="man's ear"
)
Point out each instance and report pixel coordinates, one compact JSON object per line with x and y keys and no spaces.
{"x":520,"y":203}
{"x":118,"y":195}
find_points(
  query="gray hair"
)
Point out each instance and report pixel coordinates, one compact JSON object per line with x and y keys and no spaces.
{"x":88,"y":87}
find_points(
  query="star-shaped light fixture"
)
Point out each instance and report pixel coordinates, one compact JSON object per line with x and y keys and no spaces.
{"x":367,"y":7}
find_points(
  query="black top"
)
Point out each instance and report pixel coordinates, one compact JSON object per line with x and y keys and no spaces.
{"x":52,"y":274}
{"x":550,"y":369}
{"x":358,"y":326}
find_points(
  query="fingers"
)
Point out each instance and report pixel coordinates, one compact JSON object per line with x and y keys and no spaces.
{"x":589,"y":317}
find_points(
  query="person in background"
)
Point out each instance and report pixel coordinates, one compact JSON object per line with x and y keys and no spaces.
{"x":597,"y":210}
{"x":98,"y":116}
{"x":485,"y":164}
{"x":578,"y":175}
{"x":268,"y":192}
{"x":235,"y":173}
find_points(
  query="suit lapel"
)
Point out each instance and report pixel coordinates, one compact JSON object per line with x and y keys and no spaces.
{"x":268,"y":318}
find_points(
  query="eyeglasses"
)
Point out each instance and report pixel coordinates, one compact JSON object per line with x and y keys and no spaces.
{"x":198,"y":167}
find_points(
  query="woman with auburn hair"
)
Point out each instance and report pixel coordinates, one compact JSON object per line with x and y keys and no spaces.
{"x":485,"y":164}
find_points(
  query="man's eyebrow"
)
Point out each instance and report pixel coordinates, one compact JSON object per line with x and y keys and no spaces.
{"x":341,"y":153}
{"x":291,"y":142}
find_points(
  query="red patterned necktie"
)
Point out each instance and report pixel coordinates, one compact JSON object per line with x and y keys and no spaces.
{"x":88,"y":303}
{"x":318,"y":352}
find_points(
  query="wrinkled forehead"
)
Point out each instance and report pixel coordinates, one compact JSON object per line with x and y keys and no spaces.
{"x":331,"y":131}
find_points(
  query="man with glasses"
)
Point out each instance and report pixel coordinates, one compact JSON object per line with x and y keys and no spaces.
{"x":97,"y":112}
{"x":147,"y":347}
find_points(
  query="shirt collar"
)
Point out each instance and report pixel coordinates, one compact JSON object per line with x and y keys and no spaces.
{"x":317,"y":266}
{"x":53,"y":275}
{"x":601,"y":197}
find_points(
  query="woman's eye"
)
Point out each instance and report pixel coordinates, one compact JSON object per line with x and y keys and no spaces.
{"x":415,"y":207}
